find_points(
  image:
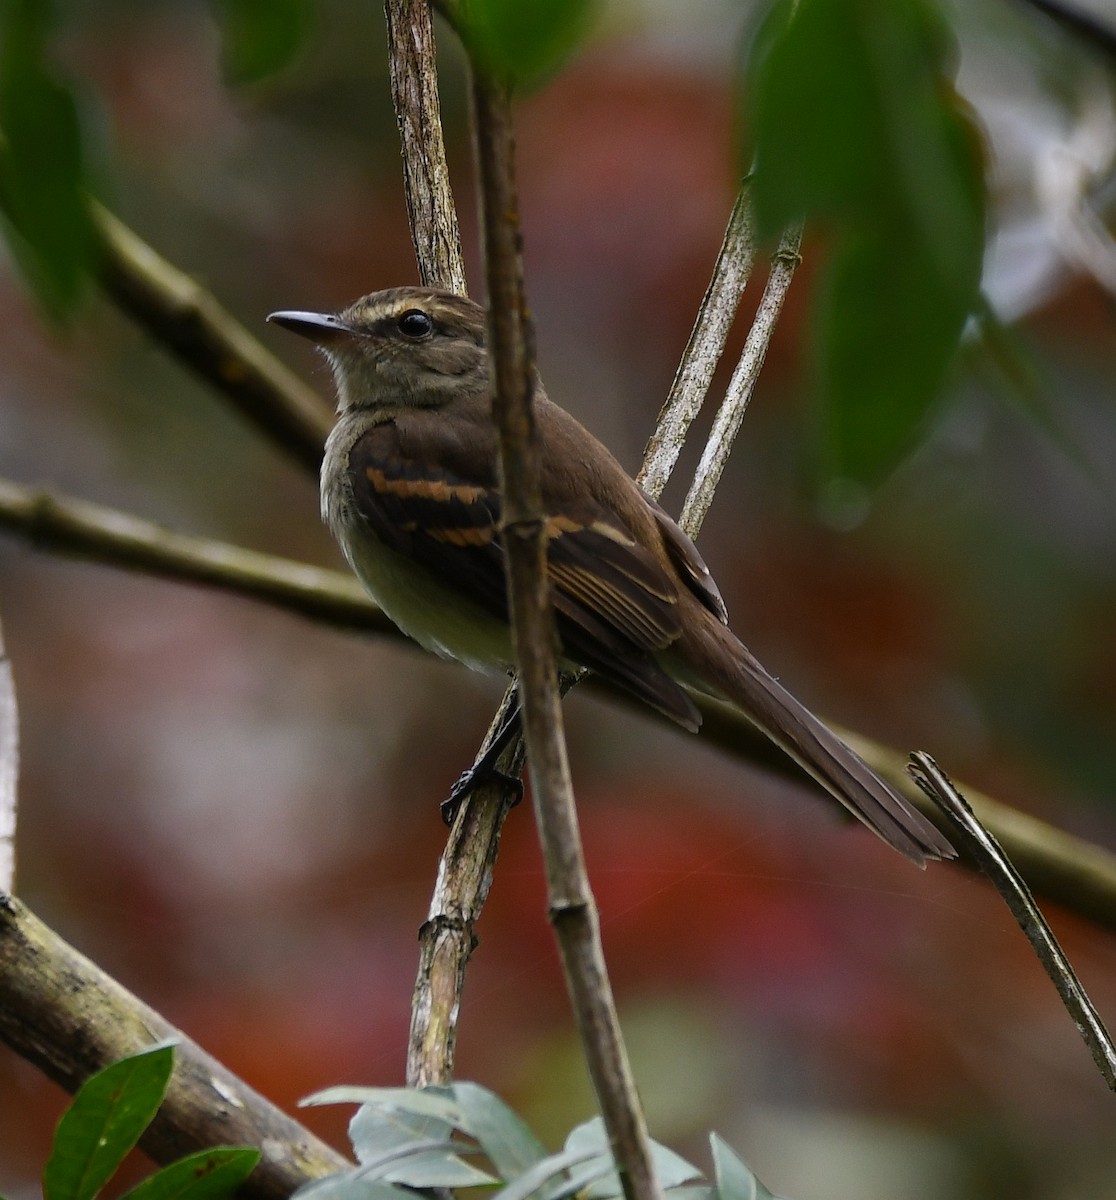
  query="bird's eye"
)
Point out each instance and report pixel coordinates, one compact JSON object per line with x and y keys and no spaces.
{"x":414,"y":323}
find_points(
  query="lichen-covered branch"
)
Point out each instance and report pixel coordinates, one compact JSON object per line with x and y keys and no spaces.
{"x":64,"y":1014}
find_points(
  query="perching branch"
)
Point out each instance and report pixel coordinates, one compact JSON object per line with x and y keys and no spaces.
{"x":573,"y":911}
{"x":1079,"y":875}
{"x":64,"y":1014}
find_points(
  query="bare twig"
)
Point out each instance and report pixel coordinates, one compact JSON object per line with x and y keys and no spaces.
{"x":77,"y":527}
{"x":718,"y":308}
{"x":573,"y":911}
{"x":181,"y":315}
{"x":426,"y":182}
{"x":731,"y":413}
{"x":1005,"y":878}
{"x":9,"y":770}
{"x":64,"y":1014}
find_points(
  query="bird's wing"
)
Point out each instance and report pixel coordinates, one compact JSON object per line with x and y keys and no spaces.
{"x":433,"y":499}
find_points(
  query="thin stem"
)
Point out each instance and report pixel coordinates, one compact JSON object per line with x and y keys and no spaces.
{"x":9,"y":770}
{"x":727,"y":423}
{"x":426,"y":183}
{"x":1006,"y":879}
{"x":699,"y":360}
{"x":572,"y":908}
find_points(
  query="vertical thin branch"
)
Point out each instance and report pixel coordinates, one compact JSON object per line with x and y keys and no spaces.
{"x":426,"y":182}
{"x":572,"y":908}
{"x":703,"y":351}
{"x":465,"y":871}
{"x":9,"y":770}
{"x":739,"y":393}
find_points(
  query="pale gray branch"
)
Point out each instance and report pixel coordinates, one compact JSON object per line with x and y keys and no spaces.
{"x":727,"y":423}
{"x":699,"y":360}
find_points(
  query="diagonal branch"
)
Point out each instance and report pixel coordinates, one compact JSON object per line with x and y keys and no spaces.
{"x":1079,"y":875}
{"x":726,"y":425}
{"x":64,"y":1014}
{"x":731,"y":273}
{"x":184,"y":317}
{"x":990,"y":857}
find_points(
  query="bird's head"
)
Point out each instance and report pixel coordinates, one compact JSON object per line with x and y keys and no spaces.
{"x":404,"y":347}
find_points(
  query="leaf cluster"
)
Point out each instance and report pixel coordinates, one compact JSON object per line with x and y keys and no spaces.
{"x":407,"y":1138}
{"x":854,"y":125}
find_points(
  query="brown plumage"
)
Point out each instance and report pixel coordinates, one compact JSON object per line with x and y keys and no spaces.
{"x":410,"y":489}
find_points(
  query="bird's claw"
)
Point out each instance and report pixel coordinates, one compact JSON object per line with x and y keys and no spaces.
{"x":477,"y":776}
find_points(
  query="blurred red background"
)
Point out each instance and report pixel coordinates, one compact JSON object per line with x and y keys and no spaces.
{"x":236,"y":812}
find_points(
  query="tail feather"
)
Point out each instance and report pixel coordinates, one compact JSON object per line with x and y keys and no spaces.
{"x":838,"y":768}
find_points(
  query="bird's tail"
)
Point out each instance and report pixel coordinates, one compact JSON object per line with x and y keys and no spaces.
{"x":839,"y":769}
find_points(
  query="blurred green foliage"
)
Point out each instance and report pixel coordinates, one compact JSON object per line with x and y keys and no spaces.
{"x":854,"y":126}
{"x":525,"y":43}
{"x":42,"y":165}
{"x":260,"y":37}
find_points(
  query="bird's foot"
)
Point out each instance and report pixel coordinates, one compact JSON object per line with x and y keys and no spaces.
{"x":479,"y":774}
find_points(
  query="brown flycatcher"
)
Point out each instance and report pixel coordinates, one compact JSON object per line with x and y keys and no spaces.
{"x":411,"y":491}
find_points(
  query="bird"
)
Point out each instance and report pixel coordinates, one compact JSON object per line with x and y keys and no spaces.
{"x":410,"y":488}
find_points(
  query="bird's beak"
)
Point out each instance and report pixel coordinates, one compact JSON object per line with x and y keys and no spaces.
{"x":321,"y":328}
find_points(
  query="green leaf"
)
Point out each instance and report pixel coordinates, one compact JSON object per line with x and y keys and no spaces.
{"x":735,"y":1180}
{"x":510,"y":1145}
{"x":856,"y":127}
{"x":42,"y":175}
{"x":260,"y":37}
{"x":207,"y":1175}
{"x":523,"y":42}
{"x":105,"y":1120}
{"x":885,"y":342}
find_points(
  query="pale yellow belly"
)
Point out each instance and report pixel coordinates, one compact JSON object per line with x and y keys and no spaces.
{"x":437,"y":618}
